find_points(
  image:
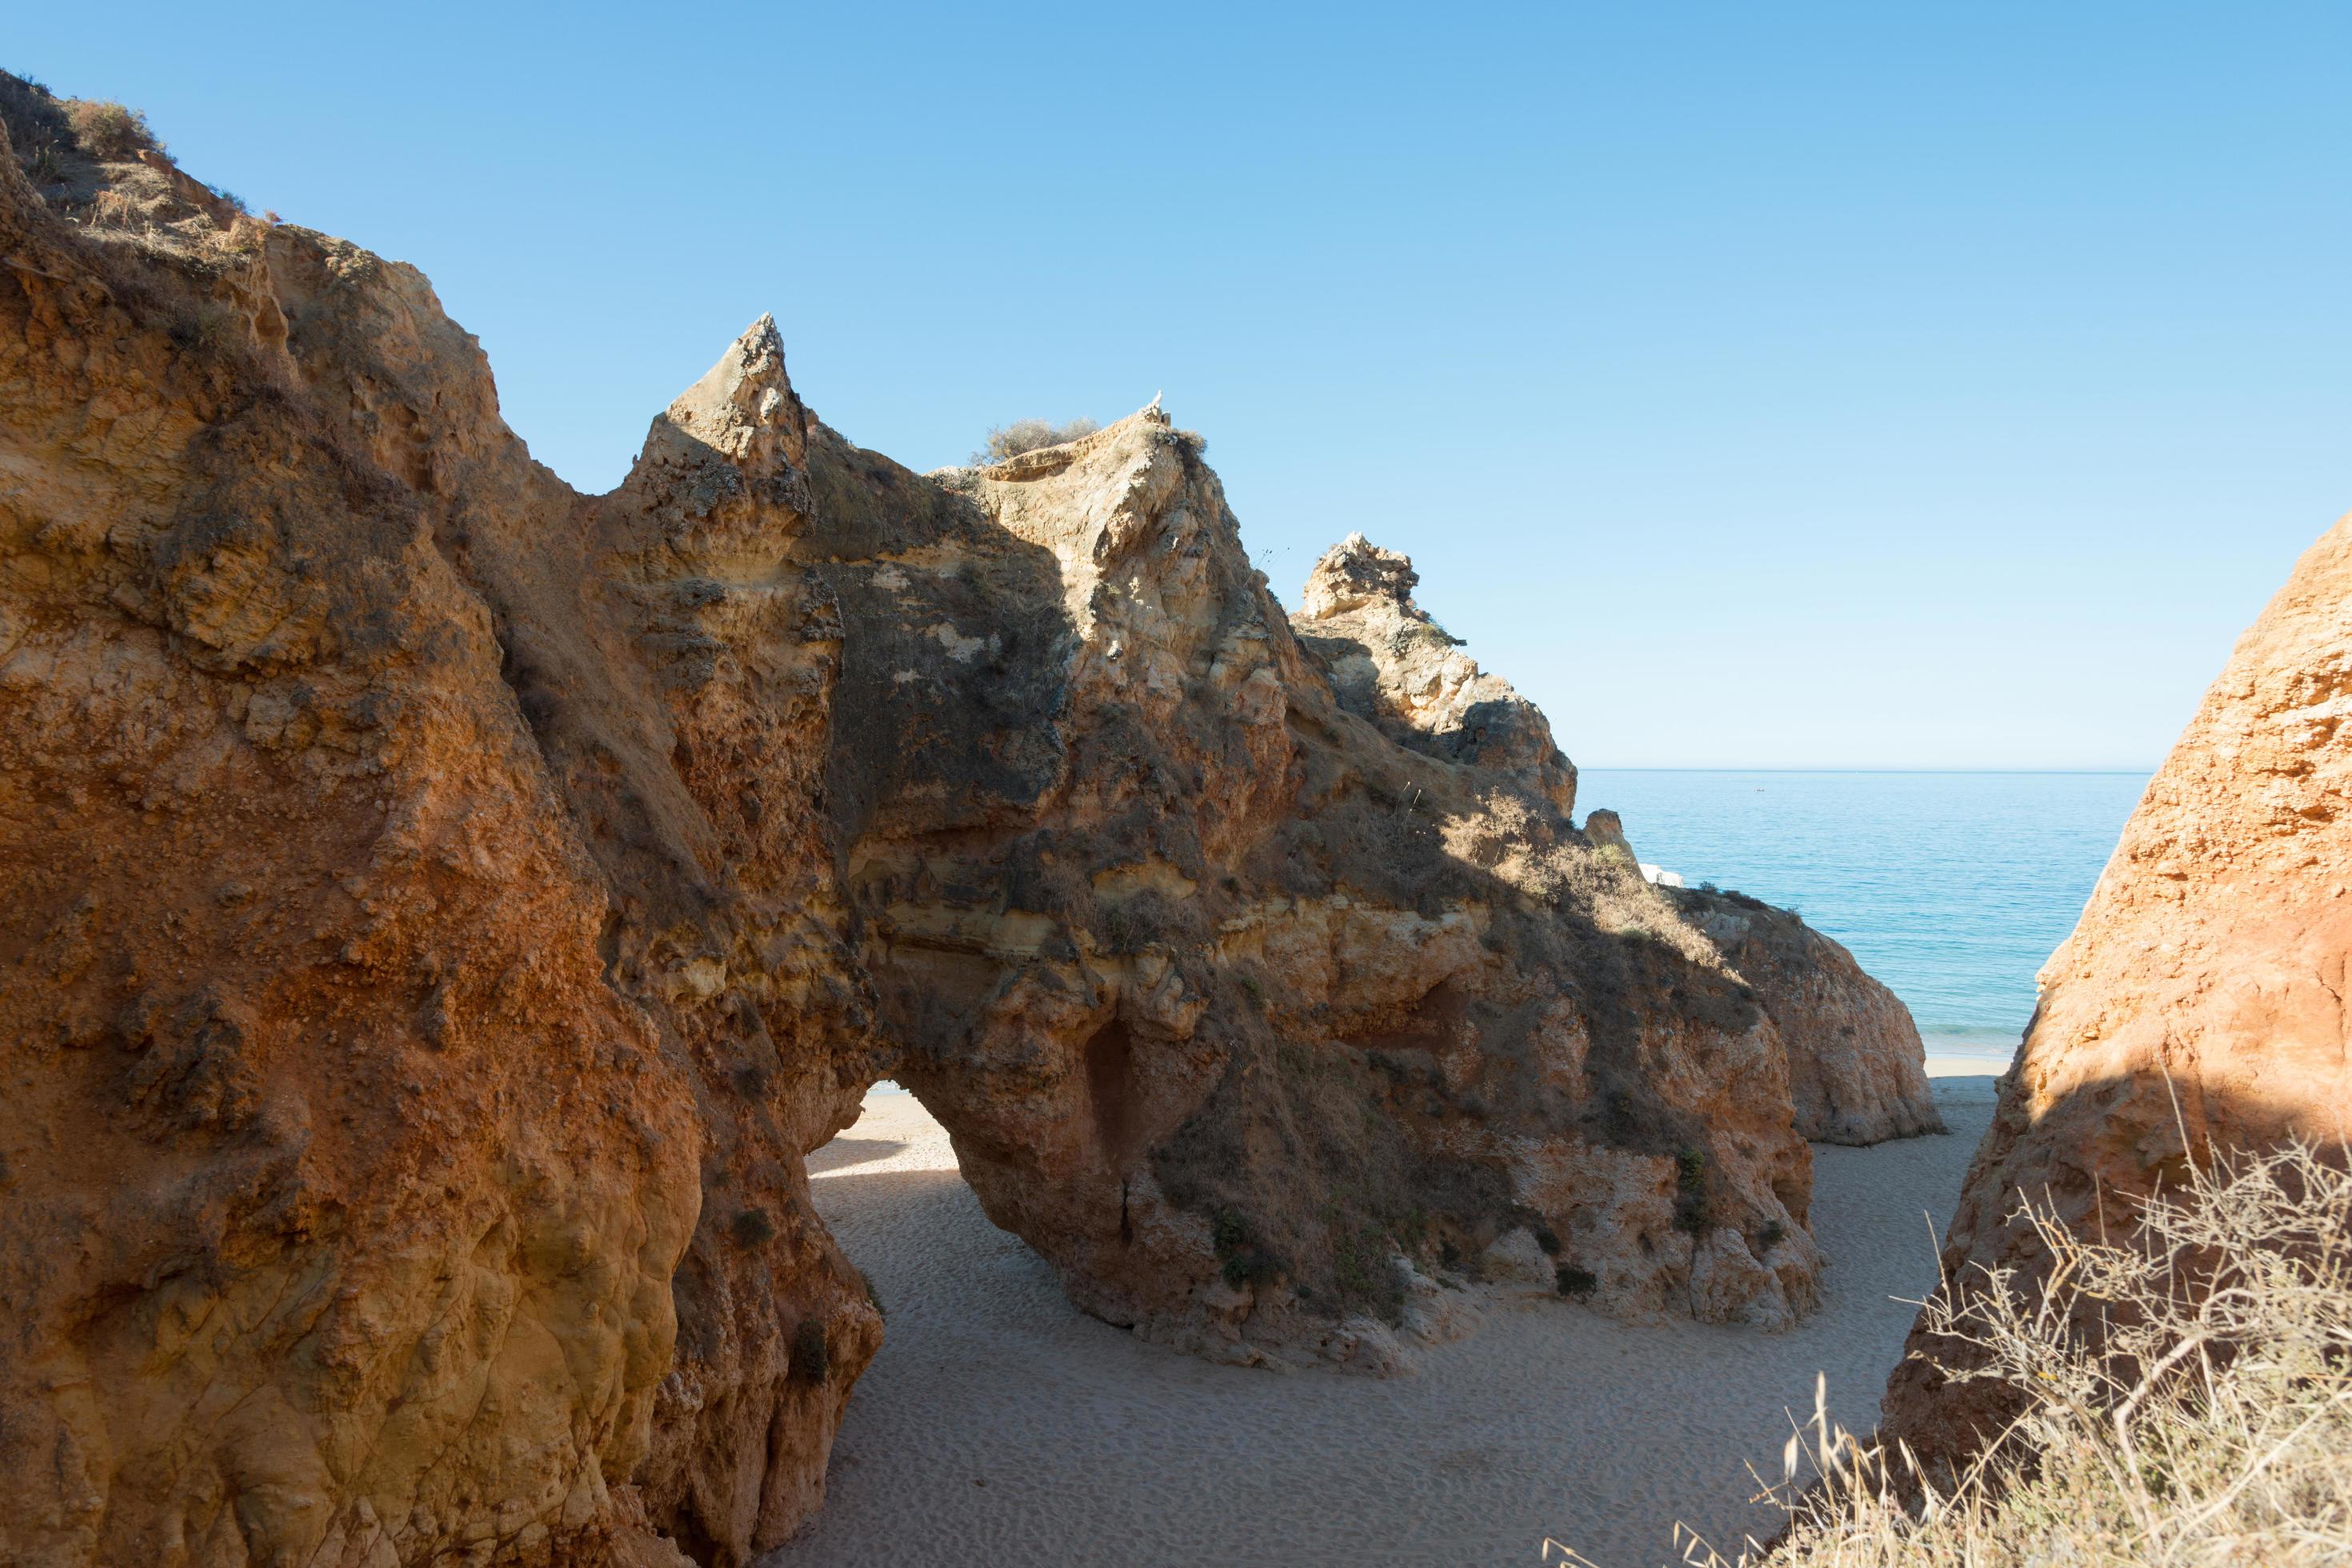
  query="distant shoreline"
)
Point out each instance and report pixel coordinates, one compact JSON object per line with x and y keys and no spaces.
{"x":1937,"y":772}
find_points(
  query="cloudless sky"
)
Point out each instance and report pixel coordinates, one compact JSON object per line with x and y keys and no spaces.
{"x":1772,"y":386}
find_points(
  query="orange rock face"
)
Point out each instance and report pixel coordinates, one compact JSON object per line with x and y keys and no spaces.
{"x":421,"y":983}
{"x":439,"y":911}
{"x":2200,"y":1004}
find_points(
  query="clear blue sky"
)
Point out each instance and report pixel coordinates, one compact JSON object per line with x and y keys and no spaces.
{"x":1868,"y":385}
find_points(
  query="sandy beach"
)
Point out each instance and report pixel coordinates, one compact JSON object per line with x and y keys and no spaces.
{"x":999,"y":1426}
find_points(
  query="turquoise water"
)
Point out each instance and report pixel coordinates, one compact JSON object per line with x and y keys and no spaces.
{"x":1951,"y":888}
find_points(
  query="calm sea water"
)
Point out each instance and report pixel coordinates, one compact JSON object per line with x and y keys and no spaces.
{"x":1951,"y":888}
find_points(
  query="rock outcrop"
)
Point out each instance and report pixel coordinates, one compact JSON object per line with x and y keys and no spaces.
{"x":2199,"y":1006}
{"x":1245,"y":1007}
{"x":1857,"y":1070}
{"x":1390,"y":663}
{"x":442,"y":910}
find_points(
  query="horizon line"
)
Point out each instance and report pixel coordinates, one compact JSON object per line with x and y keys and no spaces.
{"x":1673,"y":768}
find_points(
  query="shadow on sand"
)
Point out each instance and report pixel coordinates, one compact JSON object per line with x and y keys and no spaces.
{"x":848,"y":1154}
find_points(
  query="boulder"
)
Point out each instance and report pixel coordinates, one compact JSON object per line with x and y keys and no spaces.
{"x":1857,"y":1070}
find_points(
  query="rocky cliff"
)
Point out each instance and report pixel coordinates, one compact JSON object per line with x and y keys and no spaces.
{"x":441,"y":911}
{"x":423,"y":981}
{"x":2199,"y":1006}
{"x":1235,"y":1003}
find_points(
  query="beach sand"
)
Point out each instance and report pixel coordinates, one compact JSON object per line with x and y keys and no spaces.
{"x":1000,"y":1426}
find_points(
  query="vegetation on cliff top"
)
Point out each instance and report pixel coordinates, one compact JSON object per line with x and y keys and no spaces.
{"x":44,"y":128}
{"x":1028,"y":435}
{"x":99,"y":166}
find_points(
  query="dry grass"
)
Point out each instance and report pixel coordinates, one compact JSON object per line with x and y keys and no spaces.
{"x":37,"y":126}
{"x":114,"y":209}
{"x":1028,"y":435}
{"x":2189,"y":1401}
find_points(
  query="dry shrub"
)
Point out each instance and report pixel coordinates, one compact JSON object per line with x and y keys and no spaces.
{"x":37,"y":126}
{"x":1027,"y":435}
{"x":114,"y":209}
{"x":2188,"y":1401}
{"x":109,"y":132}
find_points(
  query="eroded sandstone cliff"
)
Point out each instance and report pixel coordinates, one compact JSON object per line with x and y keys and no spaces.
{"x":442,"y":910}
{"x":2199,"y":1006}
{"x":1235,"y":1003}
{"x":422,"y":984}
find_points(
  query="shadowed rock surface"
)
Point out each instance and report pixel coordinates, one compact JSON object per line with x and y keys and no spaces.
{"x":1244,"y":1011}
{"x":442,"y":912}
{"x":2199,"y":1006}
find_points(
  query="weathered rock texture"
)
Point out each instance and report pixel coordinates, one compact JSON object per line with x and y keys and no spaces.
{"x":439,"y":910}
{"x":1238,"y":1001}
{"x":1388,"y":662}
{"x":422,"y":982}
{"x":2199,"y":1006}
{"x":1857,"y":1071}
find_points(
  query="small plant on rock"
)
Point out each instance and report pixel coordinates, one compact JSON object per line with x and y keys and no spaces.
{"x":1692,"y":1209}
{"x":1247,"y":1266}
{"x":1618,"y":1111}
{"x":1241,"y":1260}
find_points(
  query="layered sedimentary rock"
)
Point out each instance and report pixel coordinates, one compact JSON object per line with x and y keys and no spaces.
{"x":441,"y":910}
{"x":2198,"y":1008}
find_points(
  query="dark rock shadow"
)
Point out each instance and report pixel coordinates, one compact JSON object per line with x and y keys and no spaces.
{"x":2093,"y":1157}
{"x":848,"y":1154}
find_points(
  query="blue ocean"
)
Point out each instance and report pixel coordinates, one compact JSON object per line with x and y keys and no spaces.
{"x":1952,"y":888}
